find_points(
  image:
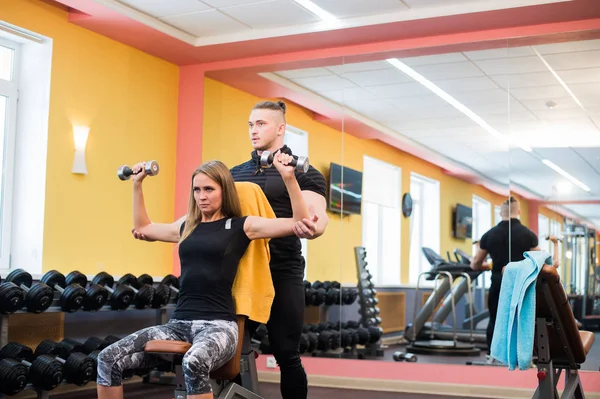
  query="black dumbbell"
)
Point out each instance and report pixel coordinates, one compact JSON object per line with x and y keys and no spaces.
{"x":71,"y":296}
{"x":371,"y":301}
{"x":172,"y":282}
{"x":11,"y":298}
{"x":78,"y":368}
{"x":37,"y":298}
{"x":371,"y":312}
{"x":333,"y":297}
{"x":96,"y":295}
{"x":162,"y":293}
{"x":13,"y":377}
{"x":44,"y":372}
{"x":151,"y":169}
{"x":144,"y":293}
{"x":400,"y":356}
{"x":120,"y":297}
{"x":300,"y":163}
{"x":375,"y":334}
{"x":349,"y":295}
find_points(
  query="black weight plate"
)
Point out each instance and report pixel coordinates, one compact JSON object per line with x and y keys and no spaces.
{"x":71,"y":346}
{"x":49,"y":347}
{"x":104,"y":279}
{"x":78,"y":369}
{"x":121,"y":298}
{"x":11,"y":298}
{"x":19,"y":276}
{"x":162,"y":294}
{"x":39,"y":298}
{"x":76,"y":277}
{"x":128,"y":279}
{"x":96,"y":297}
{"x":171,"y":280}
{"x":71,"y":300}
{"x":13,"y":377}
{"x":144,"y":297}
{"x":93,"y":344}
{"x":15,"y":350}
{"x":52,"y":278}
{"x":45,"y":373}
{"x":144,"y":279}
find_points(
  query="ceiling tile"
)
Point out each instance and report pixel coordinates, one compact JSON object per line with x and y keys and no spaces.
{"x":377,"y":78}
{"x":271,"y":14}
{"x":324,"y":83}
{"x":351,"y":94}
{"x":499,"y":53}
{"x":205,"y":23}
{"x":434,"y":59}
{"x":580,"y":75}
{"x":539,"y":93}
{"x":588,"y":94}
{"x":525,"y":80}
{"x":436,"y":3}
{"x":568,"y":47}
{"x":578,"y":60}
{"x":360,"y":67}
{"x":399,"y":90}
{"x":229,"y":3}
{"x":557,"y":114}
{"x":541,"y":104}
{"x":161,"y":8}
{"x":304,"y":73}
{"x":482,"y":97}
{"x":591,"y":155}
{"x":359,"y":8}
{"x":449,"y":71}
{"x":465,"y":84}
{"x":505,"y":66}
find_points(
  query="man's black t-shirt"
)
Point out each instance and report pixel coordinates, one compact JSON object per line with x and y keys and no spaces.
{"x":286,"y":252}
{"x":209,"y":261}
{"x":496,"y":243}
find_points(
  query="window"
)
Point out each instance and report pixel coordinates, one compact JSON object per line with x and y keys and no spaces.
{"x":297,"y":140}
{"x":497,"y":216}
{"x":381,"y":215}
{"x":555,"y":229}
{"x":482,"y":222}
{"x":9,"y":80}
{"x":424,"y":224}
{"x":543,"y":232}
{"x":25,"y":69}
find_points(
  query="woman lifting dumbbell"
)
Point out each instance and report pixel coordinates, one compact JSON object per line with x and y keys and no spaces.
{"x":213,"y":237}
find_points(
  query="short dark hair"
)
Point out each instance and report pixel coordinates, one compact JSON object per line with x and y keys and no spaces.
{"x":272,"y":105}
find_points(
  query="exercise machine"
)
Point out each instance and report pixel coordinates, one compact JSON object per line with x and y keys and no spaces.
{"x":236,"y":379}
{"x":435,"y":337}
{"x":581,"y":274}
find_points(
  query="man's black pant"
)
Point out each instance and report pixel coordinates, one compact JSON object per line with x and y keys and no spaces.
{"x":493,"y":298}
{"x":284,"y":329}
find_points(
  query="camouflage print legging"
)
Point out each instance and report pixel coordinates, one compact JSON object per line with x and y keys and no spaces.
{"x":213,"y":344}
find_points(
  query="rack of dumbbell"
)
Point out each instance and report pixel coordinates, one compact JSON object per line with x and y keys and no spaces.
{"x":367,"y":297}
{"x":326,"y":339}
{"x":70,"y":362}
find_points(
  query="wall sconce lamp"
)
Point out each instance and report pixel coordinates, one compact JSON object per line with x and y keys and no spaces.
{"x":80,"y":135}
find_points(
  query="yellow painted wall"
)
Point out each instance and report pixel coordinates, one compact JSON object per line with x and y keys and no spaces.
{"x":331,"y":257}
{"x":129,"y":100}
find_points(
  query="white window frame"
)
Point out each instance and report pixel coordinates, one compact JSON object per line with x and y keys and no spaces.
{"x":497,"y":214}
{"x":484,"y":279}
{"x":382,"y":276}
{"x":10,"y":90}
{"x":543,"y":231}
{"x":429,"y":216}
{"x":303,"y":135}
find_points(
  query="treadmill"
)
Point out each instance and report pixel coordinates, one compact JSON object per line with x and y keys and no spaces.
{"x":452,"y":282}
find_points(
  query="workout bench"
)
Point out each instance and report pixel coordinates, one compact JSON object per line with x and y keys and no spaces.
{"x":558,"y":344}
{"x":236,"y":379}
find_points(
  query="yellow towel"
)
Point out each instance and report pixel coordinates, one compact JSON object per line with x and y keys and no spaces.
{"x":253,"y":290}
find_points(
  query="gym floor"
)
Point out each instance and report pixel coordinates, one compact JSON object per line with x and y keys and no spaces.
{"x":592,"y":362}
{"x":268,"y":391}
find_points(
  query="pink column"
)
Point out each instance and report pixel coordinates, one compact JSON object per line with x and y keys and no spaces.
{"x":534,"y":209}
{"x":189,"y":138}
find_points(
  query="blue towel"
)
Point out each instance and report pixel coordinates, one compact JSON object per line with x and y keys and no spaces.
{"x":512,"y":342}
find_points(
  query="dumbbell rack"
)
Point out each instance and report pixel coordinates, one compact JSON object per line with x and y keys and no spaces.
{"x":365,"y":291}
{"x":161,"y":318}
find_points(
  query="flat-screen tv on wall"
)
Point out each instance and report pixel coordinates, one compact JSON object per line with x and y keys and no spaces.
{"x":345,"y":189}
{"x":463,"y":221}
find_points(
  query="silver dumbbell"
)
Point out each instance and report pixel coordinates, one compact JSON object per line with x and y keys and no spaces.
{"x":151,"y":169}
{"x":301,"y":164}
